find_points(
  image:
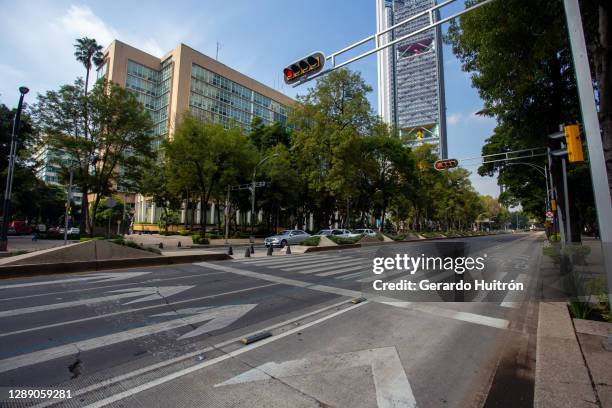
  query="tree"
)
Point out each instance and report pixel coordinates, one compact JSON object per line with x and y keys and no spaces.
{"x":89,"y":53}
{"x":205,"y":157}
{"x":119,"y":138}
{"x":519,"y":56}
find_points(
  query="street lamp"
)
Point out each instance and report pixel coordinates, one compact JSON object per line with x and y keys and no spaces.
{"x":6,"y":207}
{"x":252,"y":237}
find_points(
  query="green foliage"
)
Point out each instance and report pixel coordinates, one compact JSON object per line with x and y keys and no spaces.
{"x":132,"y":244}
{"x":184,"y":233}
{"x":116,"y":125}
{"x":199,"y":240}
{"x":344,"y":240}
{"x":380,"y":237}
{"x":311,"y":241}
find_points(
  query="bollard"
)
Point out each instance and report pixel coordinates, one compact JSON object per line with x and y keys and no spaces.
{"x":288,"y":249}
{"x":161,"y":245}
{"x":252,"y":249}
{"x":247,"y":253}
{"x":179,"y":244}
{"x":230,"y":251}
{"x":270,"y":250}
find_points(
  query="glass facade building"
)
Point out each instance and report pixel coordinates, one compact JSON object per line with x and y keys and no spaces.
{"x":411,"y":75}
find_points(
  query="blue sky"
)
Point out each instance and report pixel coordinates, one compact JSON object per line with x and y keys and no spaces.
{"x":256,"y":37}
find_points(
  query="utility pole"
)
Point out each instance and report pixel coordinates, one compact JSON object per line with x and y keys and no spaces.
{"x":253,"y":187}
{"x":601,"y":188}
{"x":6,"y":207}
{"x":68,"y":202}
{"x":226,"y":214}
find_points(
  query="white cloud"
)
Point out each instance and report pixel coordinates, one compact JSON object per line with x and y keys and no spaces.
{"x":80,"y":21}
{"x":454,"y":118}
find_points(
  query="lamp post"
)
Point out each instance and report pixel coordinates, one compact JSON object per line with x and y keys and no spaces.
{"x":6,"y":207}
{"x":252,"y":237}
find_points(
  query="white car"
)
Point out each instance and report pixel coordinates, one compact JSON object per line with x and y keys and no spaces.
{"x":343,"y":233}
{"x":71,"y":231}
{"x":364,"y":231}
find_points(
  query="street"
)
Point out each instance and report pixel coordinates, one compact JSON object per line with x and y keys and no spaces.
{"x":169,"y":336}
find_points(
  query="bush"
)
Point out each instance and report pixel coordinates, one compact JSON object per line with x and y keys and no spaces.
{"x":198,"y":240}
{"x":380,"y":237}
{"x":399,"y":237}
{"x":344,"y":241}
{"x":96,"y":238}
{"x":311,"y":241}
{"x":184,"y":233}
{"x":214,"y":236}
{"x":132,"y":244}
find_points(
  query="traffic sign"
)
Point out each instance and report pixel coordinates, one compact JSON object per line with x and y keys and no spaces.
{"x":446,"y":164}
{"x":304,"y":68}
{"x":549,"y":214}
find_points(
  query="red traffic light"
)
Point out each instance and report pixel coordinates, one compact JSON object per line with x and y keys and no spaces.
{"x":304,"y":68}
{"x":446,"y":164}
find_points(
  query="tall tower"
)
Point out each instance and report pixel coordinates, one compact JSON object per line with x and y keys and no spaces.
{"x":411,"y":75}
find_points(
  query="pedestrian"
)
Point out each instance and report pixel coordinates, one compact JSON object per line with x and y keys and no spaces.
{"x":35,"y":234}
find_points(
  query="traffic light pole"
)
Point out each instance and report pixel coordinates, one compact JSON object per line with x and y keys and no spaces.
{"x":601,"y":188}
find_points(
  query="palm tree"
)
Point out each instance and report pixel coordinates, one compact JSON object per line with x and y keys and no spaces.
{"x":87,"y":52}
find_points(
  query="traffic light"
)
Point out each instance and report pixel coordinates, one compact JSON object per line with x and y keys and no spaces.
{"x":574,"y":144}
{"x":553,"y":204}
{"x":446,"y":164}
{"x":304,"y":68}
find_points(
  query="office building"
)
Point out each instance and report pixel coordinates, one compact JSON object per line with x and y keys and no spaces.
{"x":185,"y":80}
{"x":411,"y":75}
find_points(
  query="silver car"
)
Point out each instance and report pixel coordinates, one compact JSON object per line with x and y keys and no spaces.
{"x":291,"y":237}
{"x":343,"y":233}
{"x":364,"y":231}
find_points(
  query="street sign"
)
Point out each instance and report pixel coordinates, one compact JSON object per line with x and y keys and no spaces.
{"x":549,"y":214}
{"x":446,"y":164}
{"x":304,"y":68}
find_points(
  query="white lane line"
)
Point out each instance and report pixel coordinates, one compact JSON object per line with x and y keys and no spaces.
{"x":513,"y":299}
{"x":335,"y":271}
{"x":438,"y":311}
{"x":100,"y":277}
{"x":146,"y":282}
{"x":483,"y":293}
{"x":85,"y":319}
{"x":231,"y":354}
{"x":146,"y":294}
{"x":165,"y":363}
{"x":325,"y":270}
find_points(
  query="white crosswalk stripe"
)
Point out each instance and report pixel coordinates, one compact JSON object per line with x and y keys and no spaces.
{"x":352,"y":275}
{"x":335,"y":271}
{"x":302,"y":266}
{"x":286,"y":258}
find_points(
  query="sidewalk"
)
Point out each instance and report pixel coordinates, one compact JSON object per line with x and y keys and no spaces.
{"x":573,"y":357}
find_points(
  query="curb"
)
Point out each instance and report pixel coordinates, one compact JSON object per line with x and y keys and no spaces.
{"x":332,"y":248}
{"x":561,"y":376}
{"x":27,"y":270}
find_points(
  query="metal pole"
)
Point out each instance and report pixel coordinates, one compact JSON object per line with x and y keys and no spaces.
{"x":252,"y":237}
{"x":68,"y":200}
{"x":226,"y":213}
{"x":566,"y":200}
{"x":6,"y":207}
{"x":601,"y":188}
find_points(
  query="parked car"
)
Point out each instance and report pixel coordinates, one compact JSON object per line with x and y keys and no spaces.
{"x":20,"y":228}
{"x":291,"y":237}
{"x":364,"y":231}
{"x":71,"y":231}
{"x":344,"y":233}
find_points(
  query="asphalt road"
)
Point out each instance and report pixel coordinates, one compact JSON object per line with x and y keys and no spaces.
{"x":169,"y":336}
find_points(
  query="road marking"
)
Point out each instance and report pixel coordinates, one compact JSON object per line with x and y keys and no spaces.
{"x":335,"y":271}
{"x":231,"y":354}
{"x":313,"y":260}
{"x":390,"y":381}
{"x":145,"y":282}
{"x":276,"y":259}
{"x":513,"y":299}
{"x":100,"y":277}
{"x":382,"y":276}
{"x":180,"y":358}
{"x":438,"y":311}
{"x":174,"y":303}
{"x":223,"y":313}
{"x":149,"y":293}
{"x":338,"y":263}
{"x":352,"y":275}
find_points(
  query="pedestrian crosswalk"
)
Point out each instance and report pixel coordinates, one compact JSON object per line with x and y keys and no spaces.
{"x":356,"y":267}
